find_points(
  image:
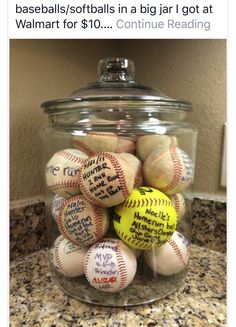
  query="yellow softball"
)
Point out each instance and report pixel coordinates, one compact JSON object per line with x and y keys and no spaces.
{"x":146,"y":219}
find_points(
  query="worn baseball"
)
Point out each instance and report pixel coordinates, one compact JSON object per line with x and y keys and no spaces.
{"x":106,"y":179}
{"x":125,"y":144}
{"x":81,"y":222}
{"x":146,"y":219}
{"x":94,"y":142}
{"x":62,"y":172}
{"x":179,"y":204}
{"x":148,"y":143}
{"x":170,"y":172}
{"x":136,"y":166}
{"x":67,"y":258}
{"x":171,"y":258}
{"x":110,"y":265}
{"x":57,"y":204}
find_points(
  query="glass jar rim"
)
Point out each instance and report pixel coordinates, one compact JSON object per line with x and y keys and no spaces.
{"x":116,"y":84}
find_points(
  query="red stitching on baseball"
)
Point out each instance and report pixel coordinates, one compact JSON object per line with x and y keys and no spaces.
{"x":62,"y":227}
{"x":84,"y":189}
{"x":176,"y":202}
{"x":177,"y":251}
{"x":121,"y":263}
{"x":56,"y":255}
{"x":65,"y":184}
{"x":83,"y":146}
{"x":178,"y":170}
{"x":71,"y":157}
{"x":138,"y":178}
{"x":87,"y":194}
{"x":119,"y":171}
{"x":86,"y":261}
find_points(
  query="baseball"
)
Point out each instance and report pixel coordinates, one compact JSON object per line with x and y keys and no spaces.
{"x":82,"y":222}
{"x":146,"y":219}
{"x":57,"y":204}
{"x":110,"y":265}
{"x":125,"y":144}
{"x":94,"y":142}
{"x":136,"y":166}
{"x":67,"y":258}
{"x":171,"y":258}
{"x":170,"y":172}
{"x":179,"y":204}
{"x":62,"y":172}
{"x":148,"y":143}
{"x":106,"y":179}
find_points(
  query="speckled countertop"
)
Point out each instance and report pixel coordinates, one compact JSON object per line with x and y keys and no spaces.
{"x":36,"y":300}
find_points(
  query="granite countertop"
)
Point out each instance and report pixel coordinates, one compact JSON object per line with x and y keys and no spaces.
{"x":35,"y":299}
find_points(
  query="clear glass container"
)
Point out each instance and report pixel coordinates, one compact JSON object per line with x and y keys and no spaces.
{"x":119,"y":162}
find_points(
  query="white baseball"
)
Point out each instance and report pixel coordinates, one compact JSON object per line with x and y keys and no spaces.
{"x":82,"y":222}
{"x":110,"y":265}
{"x":179,"y":204}
{"x":62,"y":172}
{"x":136,"y":166}
{"x":125,"y":144}
{"x":171,"y":258}
{"x":68,"y":258}
{"x":148,"y":143}
{"x":170,"y":172}
{"x":94,"y":142}
{"x":57,"y":204}
{"x":106,"y":179}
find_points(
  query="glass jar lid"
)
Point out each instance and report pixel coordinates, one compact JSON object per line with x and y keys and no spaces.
{"x":116,"y":84}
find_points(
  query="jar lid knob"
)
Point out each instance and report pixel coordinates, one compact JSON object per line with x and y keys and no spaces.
{"x":116,"y":69}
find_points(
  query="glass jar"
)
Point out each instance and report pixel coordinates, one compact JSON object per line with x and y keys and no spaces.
{"x":119,"y":162}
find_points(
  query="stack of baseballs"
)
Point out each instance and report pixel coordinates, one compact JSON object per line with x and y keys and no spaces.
{"x":116,"y":200}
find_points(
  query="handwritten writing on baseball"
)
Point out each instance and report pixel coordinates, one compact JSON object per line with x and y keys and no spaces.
{"x":188,"y":166}
{"x":77,"y":218}
{"x":151,"y":226}
{"x":101,"y":178}
{"x":105,"y":270}
{"x":65,"y":171}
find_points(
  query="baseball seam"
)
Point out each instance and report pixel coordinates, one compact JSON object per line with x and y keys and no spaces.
{"x":130,"y":203}
{"x":65,"y":184}
{"x":121,"y":267}
{"x":121,"y":177}
{"x":86,"y":192}
{"x":86,"y":261}
{"x":176,"y":202}
{"x":83,"y":146}
{"x":178,"y":171}
{"x":57,"y":257}
{"x":138,"y":179}
{"x":119,"y":170}
{"x":139,"y":244}
{"x":71,"y":157}
{"x":62,"y":228}
{"x":177,"y":251}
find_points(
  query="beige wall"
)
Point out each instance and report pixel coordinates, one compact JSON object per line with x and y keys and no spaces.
{"x":48,"y":69}
{"x":41,"y":70}
{"x":194,"y":70}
